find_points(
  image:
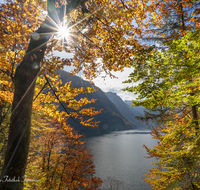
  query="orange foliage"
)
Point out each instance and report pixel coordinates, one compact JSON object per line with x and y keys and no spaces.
{"x":106,"y":37}
{"x":58,"y":159}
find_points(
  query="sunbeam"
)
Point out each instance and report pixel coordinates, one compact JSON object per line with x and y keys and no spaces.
{"x":63,"y":32}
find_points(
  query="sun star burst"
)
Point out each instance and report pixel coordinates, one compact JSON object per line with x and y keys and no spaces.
{"x":63,"y":32}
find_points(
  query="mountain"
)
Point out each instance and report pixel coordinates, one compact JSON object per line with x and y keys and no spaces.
{"x":111,"y":119}
{"x":138,"y":109}
{"x":126,"y":110}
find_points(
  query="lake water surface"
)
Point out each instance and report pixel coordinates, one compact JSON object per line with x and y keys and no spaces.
{"x":121,"y":156}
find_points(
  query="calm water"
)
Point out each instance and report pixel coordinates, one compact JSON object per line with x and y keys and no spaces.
{"x":121,"y":156}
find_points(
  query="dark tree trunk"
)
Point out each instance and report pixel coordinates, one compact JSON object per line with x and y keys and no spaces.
{"x":13,"y":172}
{"x":19,"y":131}
{"x":195,"y":118}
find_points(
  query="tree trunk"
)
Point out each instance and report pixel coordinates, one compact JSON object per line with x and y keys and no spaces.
{"x":19,"y":131}
{"x":195,"y":118}
{"x":13,"y":172}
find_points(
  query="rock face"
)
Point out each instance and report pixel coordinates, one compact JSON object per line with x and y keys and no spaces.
{"x":111,"y":118}
{"x":126,"y":110}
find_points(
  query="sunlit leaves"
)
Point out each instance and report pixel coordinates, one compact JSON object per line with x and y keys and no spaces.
{"x":169,"y":86}
{"x":177,"y":152}
{"x":19,"y":21}
{"x":109,"y":36}
{"x":66,"y":95}
{"x":62,"y":161}
{"x":106,"y":37}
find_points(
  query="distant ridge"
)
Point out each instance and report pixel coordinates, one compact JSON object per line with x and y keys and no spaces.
{"x":127,"y":111}
{"x":111,"y":118}
{"x":140,"y":111}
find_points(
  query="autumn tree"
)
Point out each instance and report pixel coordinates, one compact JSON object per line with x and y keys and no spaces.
{"x":169,"y":89}
{"x":104,"y":36}
{"x":100,"y":30}
{"x":170,"y":86}
{"x":42,"y":109}
{"x":20,"y":20}
{"x":171,"y":20}
{"x":62,"y":160}
{"x":168,"y":20}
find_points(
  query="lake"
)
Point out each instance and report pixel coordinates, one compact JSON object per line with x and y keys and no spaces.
{"x":120,"y":155}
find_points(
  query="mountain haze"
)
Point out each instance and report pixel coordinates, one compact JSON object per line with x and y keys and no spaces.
{"x":140,"y":111}
{"x":126,"y":110}
{"x":111,"y":118}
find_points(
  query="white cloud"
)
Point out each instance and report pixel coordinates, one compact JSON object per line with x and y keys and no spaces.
{"x":107,"y":84}
{"x":63,"y":54}
{"x":115,"y":85}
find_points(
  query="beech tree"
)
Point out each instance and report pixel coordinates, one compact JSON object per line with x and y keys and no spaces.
{"x":20,"y":64}
{"x":169,"y":88}
{"x":103,"y":36}
{"x":178,"y":150}
{"x":61,"y":162}
{"x":99,"y":30}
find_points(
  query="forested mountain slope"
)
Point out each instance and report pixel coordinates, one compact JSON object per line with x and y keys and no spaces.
{"x":111,"y":119}
{"x":126,"y":110}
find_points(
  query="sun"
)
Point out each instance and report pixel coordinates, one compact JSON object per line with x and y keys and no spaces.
{"x":63,"y":32}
